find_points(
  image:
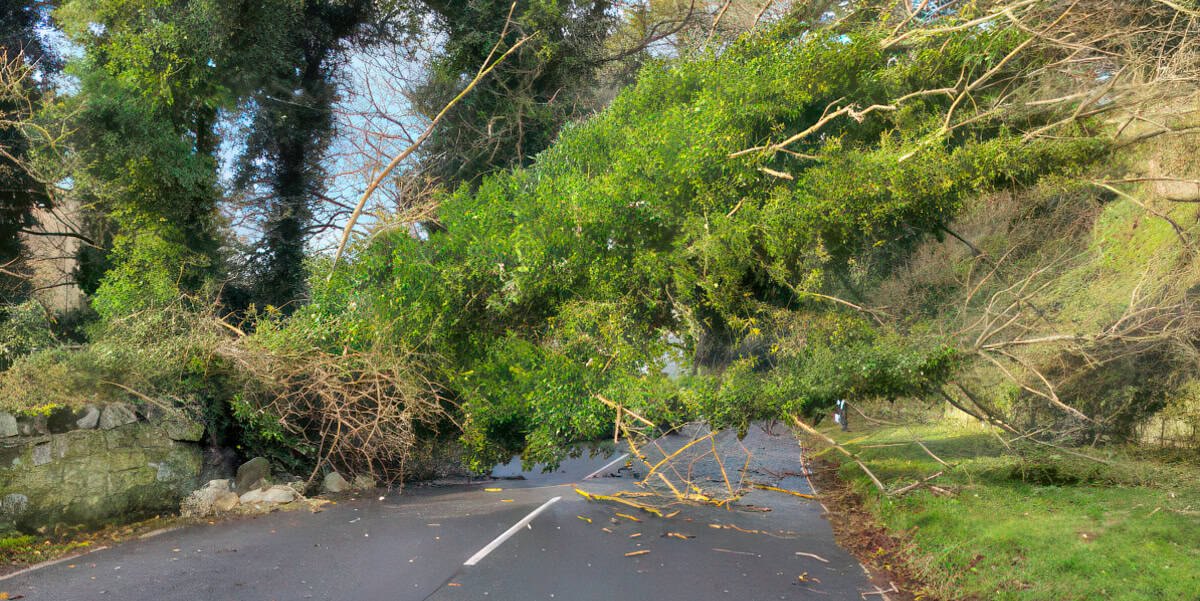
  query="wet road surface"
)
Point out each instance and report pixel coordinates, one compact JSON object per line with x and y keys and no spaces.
{"x":413,"y":547}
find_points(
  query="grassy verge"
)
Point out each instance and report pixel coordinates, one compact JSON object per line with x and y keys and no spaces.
{"x":22,"y":550}
{"x":1033,"y":523}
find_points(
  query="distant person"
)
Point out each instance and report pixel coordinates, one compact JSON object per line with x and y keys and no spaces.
{"x":839,"y":415}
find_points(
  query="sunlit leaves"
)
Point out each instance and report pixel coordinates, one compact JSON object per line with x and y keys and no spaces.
{"x":568,"y":278}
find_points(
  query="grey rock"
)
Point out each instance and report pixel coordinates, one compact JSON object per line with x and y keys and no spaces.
{"x":115,"y":415}
{"x":13,"y":505}
{"x":41,"y":454}
{"x":91,"y":417}
{"x":254,"y":496}
{"x":200,"y":503}
{"x":252,"y":474}
{"x":30,"y":425}
{"x":279,"y":494}
{"x":225,"y":502}
{"x":93,"y":476}
{"x":269,"y":496}
{"x":8,"y":425}
{"x":362,"y":482}
{"x":12,"y":456}
{"x":334,"y":482}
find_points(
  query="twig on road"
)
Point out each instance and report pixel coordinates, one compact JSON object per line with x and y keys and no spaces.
{"x":812,"y":555}
{"x":811,"y":430}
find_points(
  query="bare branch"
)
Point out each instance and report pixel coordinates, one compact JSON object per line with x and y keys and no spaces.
{"x":484,"y":69}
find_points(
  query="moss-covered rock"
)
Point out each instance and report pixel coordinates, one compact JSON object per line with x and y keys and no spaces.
{"x":97,"y":476}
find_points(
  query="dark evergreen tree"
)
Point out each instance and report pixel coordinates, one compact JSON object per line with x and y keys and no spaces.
{"x":518,"y":110}
{"x":155,"y":80}
{"x":290,"y":133}
{"x":20,"y":192}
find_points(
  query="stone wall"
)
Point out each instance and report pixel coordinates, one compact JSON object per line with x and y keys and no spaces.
{"x":95,"y":465}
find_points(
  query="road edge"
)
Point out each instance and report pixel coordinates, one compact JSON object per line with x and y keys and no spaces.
{"x":885,"y":555}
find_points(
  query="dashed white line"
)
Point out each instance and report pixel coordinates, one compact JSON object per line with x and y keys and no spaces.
{"x":476,"y":558}
{"x":606,"y":466}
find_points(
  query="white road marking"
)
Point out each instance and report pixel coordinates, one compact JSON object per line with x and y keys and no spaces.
{"x":608,"y":465}
{"x":476,"y":558}
{"x":46,"y":564}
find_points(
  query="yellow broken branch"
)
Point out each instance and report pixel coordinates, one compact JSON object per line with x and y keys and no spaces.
{"x":790,"y":492}
{"x":811,"y":430}
{"x":591,"y":497}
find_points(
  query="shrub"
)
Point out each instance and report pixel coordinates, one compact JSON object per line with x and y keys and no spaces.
{"x":358,"y":412}
{"x":150,"y":273}
{"x":23,"y":330}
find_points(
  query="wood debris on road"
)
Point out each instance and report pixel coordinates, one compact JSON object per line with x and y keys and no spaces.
{"x":616,"y":499}
{"x":777,"y":489}
{"x":812,"y":555}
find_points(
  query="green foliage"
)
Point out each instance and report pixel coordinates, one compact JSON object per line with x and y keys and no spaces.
{"x":153,"y":80}
{"x":533,"y":399}
{"x":555,"y":283}
{"x":523,"y":399}
{"x":517,"y":111}
{"x":168,"y":354}
{"x":13,"y":543}
{"x":29,"y":550}
{"x":150,"y":273}
{"x":262,"y":434}
{"x":23,"y":329}
{"x":814,"y":361}
{"x":136,"y":172}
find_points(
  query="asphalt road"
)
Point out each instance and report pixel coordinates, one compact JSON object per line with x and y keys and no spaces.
{"x":414,"y":547}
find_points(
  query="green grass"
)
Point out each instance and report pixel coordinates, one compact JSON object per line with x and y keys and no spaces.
{"x":19,"y":550}
{"x":1041,"y":525}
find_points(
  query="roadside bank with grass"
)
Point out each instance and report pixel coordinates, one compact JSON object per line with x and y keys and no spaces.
{"x":1018,"y":520}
